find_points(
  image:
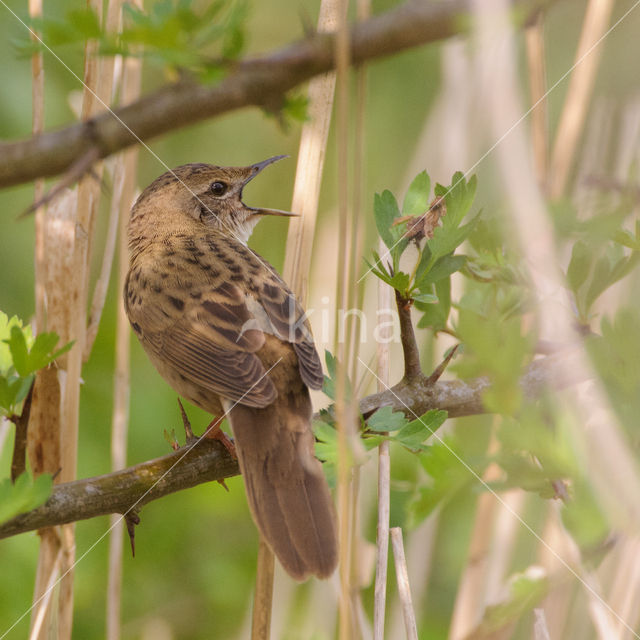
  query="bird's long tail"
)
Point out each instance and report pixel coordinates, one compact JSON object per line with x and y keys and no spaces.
{"x":286,"y":488}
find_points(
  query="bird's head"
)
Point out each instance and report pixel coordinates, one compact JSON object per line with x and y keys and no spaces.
{"x":201,"y":194}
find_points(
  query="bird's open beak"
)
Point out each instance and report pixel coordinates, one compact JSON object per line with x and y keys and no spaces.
{"x":255,"y":170}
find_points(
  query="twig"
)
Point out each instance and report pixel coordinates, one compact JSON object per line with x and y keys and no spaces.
{"x":412,"y":369}
{"x":404,"y":590}
{"x":254,"y":82}
{"x":21,"y":422}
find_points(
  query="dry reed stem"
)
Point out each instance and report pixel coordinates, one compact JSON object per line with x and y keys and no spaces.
{"x":37,"y":118}
{"x":263,"y":596}
{"x":471,"y":596}
{"x":40,"y":619}
{"x":534,"y":40}
{"x":385,"y":301}
{"x":345,"y":412}
{"x":404,"y":589}
{"x":124,"y":195}
{"x":41,"y":610}
{"x":578,"y":97}
{"x":311,"y":153}
{"x":98,"y":78}
{"x":297,"y":262}
{"x":625,"y":590}
{"x":540,"y":628}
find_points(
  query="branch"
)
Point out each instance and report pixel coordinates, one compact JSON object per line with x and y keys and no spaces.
{"x":128,"y":490}
{"x":260,"y":82}
{"x":412,"y":369}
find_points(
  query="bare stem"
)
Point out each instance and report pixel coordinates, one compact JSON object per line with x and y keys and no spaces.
{"x":404,"y":590}
{"x":412,"y":369}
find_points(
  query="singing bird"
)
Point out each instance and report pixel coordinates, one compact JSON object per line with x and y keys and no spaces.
{"x":224,"y":330}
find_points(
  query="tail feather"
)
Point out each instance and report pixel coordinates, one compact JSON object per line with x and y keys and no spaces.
{"x":286,"y":488}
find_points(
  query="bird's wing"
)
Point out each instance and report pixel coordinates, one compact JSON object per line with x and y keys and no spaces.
{"x":208,"y":336}
{"x":278,"y":311}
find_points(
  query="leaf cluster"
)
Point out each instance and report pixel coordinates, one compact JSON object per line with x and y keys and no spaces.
{"x":173,"y":34}
{"x":428,"y":281}
{"x":21,"y":355}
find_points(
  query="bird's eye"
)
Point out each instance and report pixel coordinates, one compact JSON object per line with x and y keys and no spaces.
{"x":218,"y":188}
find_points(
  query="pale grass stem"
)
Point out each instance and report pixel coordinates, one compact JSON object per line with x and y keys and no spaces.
{"x":47,"y":565}
{"x":124,"y":179}
{"x":534,"y":42}
{"x":581,"y":84}
{"x":41,"y":611}
{"x":404,"y":589}
{"x":471,"y":596}
{"x":385,"y":300}
{"x":98,"y":79}
{"x":297,"y":262}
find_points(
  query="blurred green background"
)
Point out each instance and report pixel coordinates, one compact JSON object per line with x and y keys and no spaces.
{"x":195,"y":551}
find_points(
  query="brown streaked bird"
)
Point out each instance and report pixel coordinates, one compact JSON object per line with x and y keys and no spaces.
{"x":224,"y":330}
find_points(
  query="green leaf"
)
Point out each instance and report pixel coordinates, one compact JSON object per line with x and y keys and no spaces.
{"x":417,"y":431}
{"x":447,"y":237}
{"x":386,"y":419}
{"x":425,"y":298}
{"x":525,"y":591}
{"x":19,"y":351}
{"x":458,"y":197}
{"x":442,"y":268}
{"x":578,"y":269}
{"x":26,"y":494}
{"x":435,"y":316}
{"x":385,"y":209}
{"x":416,"y":200}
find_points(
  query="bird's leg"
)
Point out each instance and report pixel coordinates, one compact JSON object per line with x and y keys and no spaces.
{"x":214,"y":432}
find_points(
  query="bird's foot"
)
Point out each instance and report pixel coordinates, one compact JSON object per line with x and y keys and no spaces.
{"x":214,"y":432}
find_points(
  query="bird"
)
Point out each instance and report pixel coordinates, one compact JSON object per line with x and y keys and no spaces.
{"x":224,"y":330}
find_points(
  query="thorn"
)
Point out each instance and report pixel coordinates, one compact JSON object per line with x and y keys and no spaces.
{"x":132,"y":519}
{"x":187,"y":425}
{"x":439,"y":370}
{"x":224,"y":484}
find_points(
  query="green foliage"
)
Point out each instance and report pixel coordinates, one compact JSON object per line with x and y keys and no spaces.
{"x":175,"y":35}
{"x":498,"y":349}
{"x":603,"y":254}
{"x":383,"y":424}
{"x":21,"y":355}
{"x":525,"y":591}
{"x":427,"y":283}
{"x":452,"y":465}
{"x":27,"y":493}
{"x":616,"y":355}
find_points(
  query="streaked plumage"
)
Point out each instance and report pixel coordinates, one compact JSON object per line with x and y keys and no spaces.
{"x":222,"y":327}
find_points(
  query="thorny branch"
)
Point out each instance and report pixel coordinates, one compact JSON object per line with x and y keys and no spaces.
{"x":131,"y":488}
{"x":261,"y":82}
